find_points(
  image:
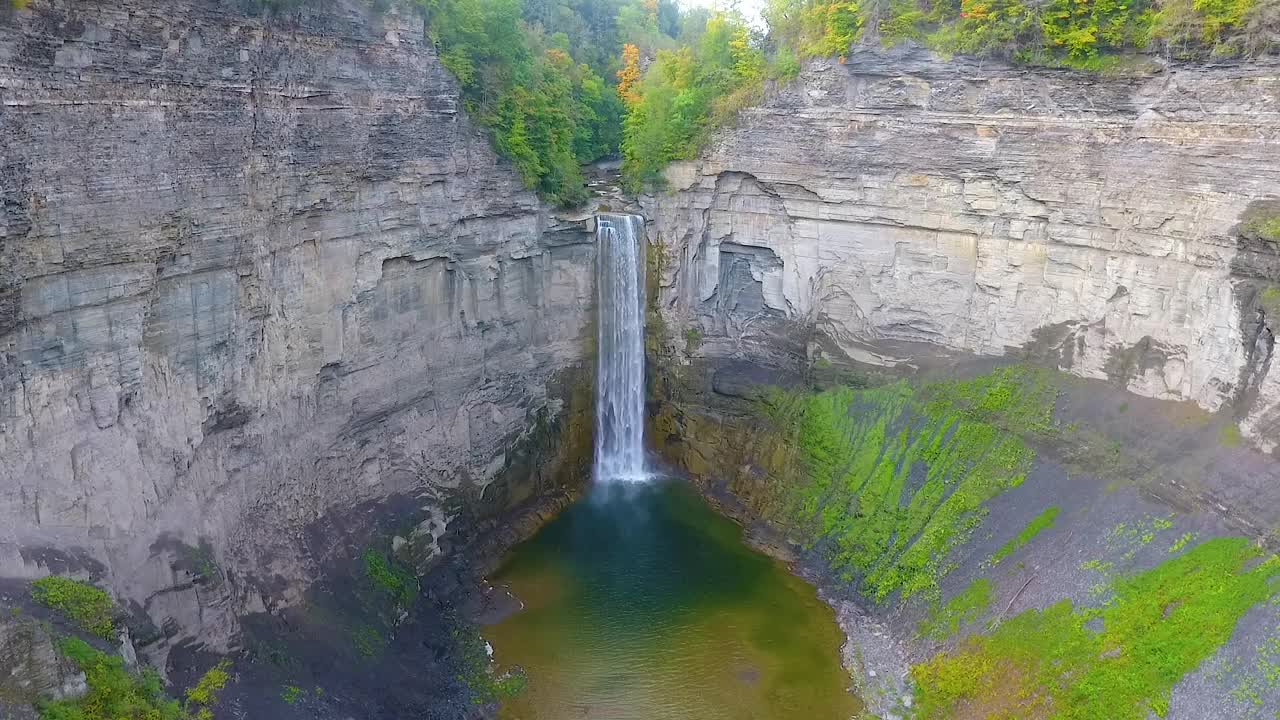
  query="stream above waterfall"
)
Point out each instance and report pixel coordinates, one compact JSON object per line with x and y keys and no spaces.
{"x":641,"y":603}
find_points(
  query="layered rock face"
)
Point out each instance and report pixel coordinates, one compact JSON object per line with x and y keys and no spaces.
{"x":254,"y":272}
{"x":1091,"y":222}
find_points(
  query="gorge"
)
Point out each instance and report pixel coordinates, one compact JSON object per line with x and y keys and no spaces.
{"x":291,"y":359}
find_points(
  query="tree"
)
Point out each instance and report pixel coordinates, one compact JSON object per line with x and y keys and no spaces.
{"x":629,"y":75}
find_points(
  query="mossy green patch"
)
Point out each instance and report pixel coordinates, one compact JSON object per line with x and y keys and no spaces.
{"x":967,"y":606}
{"x":390,"y":577}
{"x":90,"y":607}
{"x":1037,"y":525}
{"x":1132,"y":536}
{"x":1159,"y":625}
{"x":895,"y":477}
{"x":1265,"y":226}
{"x":1182,"y":542}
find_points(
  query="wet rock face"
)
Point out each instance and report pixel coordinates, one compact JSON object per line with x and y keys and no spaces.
{"x":1087,"y":221}
{"x":253,"y":272}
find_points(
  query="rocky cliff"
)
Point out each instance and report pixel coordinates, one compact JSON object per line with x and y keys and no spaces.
{"x":900,"y":202}
{"x":836,"y":279}
{"x":258,"y":274}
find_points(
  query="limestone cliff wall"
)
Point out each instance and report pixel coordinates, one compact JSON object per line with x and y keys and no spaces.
{"x":1085,"y":220}
{"x":254,"y":272}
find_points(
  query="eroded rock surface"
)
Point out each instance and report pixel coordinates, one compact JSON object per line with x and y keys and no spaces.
{"x":255,"y":272}
{"x":1091,"y":222}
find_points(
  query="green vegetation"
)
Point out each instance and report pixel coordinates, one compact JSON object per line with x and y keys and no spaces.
{"x":1252,"y":685}
{"x":1089,"y":34}
{"x":90,"y":607}
{"x":688,"y":92}
{"x":1265,"y":226}
{"x":692,"y":340}
{"x":1130,"y":536}
{"x":391,"y":578}
{"x":559,"y":83}
{"x":204,"y":694}
{"x":368,"y":640}
{"x":1269,"y":299}
{"x":539,"y":75}
{"x":478,"y":673}
{"x":1159,"y":625}
{"x":1039,"y":523}
{"x":291,"y":694}
{"x":548,"y":112}
{"x":115,"y":693}
{"x":1230,"y":435}
{"x":1182,"y":542}
{"x":859,"y":448}
{"x":967,"y":606}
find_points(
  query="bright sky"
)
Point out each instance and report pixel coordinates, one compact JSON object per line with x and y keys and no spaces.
{"x":750,"y":8}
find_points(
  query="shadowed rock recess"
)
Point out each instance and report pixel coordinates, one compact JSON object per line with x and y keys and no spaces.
{"x":261,"y":281}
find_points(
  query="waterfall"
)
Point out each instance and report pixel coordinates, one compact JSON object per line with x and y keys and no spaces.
{"x":620,"y":367}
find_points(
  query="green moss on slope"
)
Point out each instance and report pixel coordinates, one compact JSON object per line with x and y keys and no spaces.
{"x":967,"y":606}
{"x":896,"y":477}
{"x":1038,"y":524}
{"x":1052,"y":663}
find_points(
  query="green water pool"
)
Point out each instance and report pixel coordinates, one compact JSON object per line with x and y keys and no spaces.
{"x":641,"y":603}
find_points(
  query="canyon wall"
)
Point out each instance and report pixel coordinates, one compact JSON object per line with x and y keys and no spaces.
{"x":258,"y":273}
{"x":899,"y":201}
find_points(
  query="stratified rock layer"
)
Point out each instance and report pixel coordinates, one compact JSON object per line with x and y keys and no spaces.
{"x":1088,"y":221}
{"x":254,"y":272}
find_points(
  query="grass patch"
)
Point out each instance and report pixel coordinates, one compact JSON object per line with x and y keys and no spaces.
{"x":967,"y":606}
{"x":116,"y":694}
{"x":1160,"y":625}
{"x":90,"y":607}
{"x":1038,"y":524}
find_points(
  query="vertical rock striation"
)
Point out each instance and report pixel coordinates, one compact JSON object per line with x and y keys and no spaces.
{"x":1091,"y":222}
{"x":254,"y":272}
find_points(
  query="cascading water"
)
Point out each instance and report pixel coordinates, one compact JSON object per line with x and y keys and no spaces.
{"x":620,"y":368}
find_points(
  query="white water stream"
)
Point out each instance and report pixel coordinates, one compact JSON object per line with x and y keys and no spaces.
{"x":619,"y":431}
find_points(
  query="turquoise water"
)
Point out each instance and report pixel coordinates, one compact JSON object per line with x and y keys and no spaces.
{"x":641,"y":603}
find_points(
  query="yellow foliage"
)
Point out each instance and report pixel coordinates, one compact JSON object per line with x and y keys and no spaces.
{"x":629,"y":75}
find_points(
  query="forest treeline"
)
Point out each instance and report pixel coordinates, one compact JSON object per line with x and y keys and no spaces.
{"x":561,"y":83}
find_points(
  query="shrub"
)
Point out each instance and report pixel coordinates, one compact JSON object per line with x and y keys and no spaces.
{"x":116,"y":694}
{"x":90,"y":607}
